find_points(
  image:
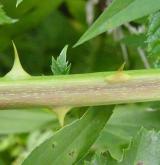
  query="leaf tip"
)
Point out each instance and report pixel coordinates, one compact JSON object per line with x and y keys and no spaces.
{"x":18,"y":3}
{"x":60,"y":65}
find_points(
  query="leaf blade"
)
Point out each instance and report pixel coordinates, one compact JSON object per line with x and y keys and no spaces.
{"x":144,"y":149}
{"x":61,"y":66}
{"x":76,"y":144}
{"x":118,"y":13}
{"x":22,"y":121}
{"x":4,"y":19}
{"x":123,"y":125}
{"x":18,"y":2}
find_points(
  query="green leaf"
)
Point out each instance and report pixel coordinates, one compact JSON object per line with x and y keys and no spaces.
{"x":124,"y":125}
{"x":143,"y":150}
{"x":20,"y":121}
{"x":73,"y":141}
{"x":33,"y":14}
{"x":4,"y":19}
{"x":153,"y":40}
{"x":61,"y":66}
{"x":135,"y":40}
{"x":2,"y":162}
{"x":97,"y":159}
{"x":18,"y":2}
{"x":118,"y":13}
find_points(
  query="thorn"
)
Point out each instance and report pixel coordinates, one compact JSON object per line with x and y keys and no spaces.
{"x":16,"y":57}
{"x":119,"y":76}
{"x":17,"y":71}
{"x":61,"y":113}
{"x":122,"y":67}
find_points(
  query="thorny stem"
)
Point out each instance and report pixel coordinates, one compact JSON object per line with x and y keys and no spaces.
{"x":81,"y":89}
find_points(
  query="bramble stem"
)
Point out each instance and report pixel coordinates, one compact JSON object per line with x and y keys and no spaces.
{"x":81,"y":89}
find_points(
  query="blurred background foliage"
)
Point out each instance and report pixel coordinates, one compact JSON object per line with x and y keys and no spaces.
{"x":42,"y":29}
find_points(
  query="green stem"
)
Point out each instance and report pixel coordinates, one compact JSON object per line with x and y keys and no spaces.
{"x":81,"y":90}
